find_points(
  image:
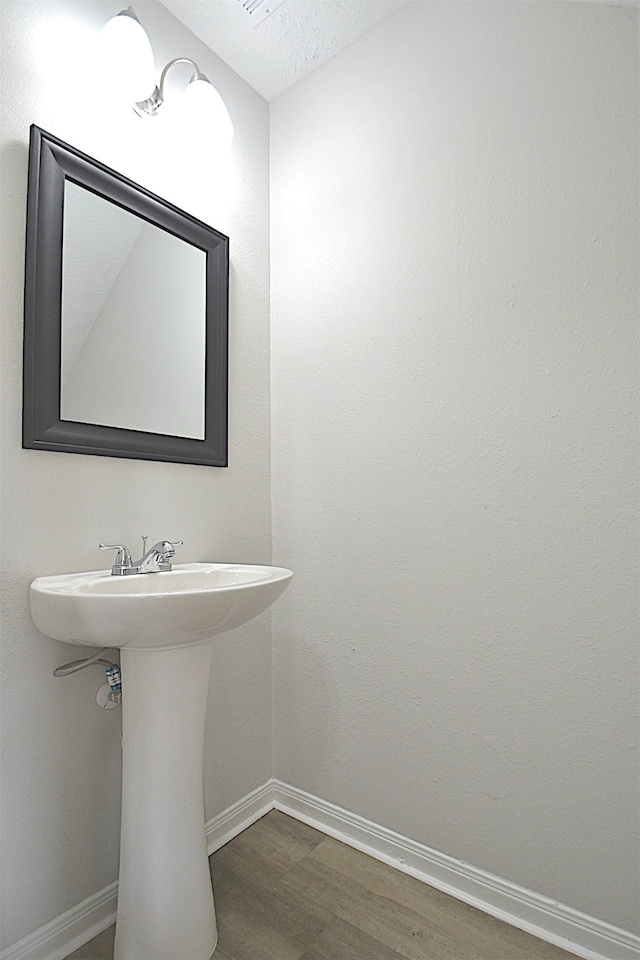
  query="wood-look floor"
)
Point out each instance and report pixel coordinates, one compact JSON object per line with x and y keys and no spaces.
{"x":284,"y":891}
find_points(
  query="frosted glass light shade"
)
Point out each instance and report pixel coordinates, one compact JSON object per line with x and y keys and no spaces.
{"x":128,"y":57}
{"x":204,"y":106}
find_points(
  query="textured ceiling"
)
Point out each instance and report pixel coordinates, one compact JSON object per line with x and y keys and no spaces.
{"x":295,"y":39}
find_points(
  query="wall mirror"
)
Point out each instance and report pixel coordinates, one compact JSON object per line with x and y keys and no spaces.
{"x":126,"y":317}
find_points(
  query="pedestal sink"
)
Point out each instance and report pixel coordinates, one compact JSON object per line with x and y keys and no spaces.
{"x":164,"y":624}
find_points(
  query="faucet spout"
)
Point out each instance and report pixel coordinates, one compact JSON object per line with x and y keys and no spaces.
{"x":158,"y":558}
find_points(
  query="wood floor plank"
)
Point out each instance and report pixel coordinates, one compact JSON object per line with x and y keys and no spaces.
{"x":234,"y":874}
{"x":398,"y":927}
{"x":278,"y":840}
{"x":250,"y":935}
{"x":221,"y":954}
{"x":405,"y":914}
{"x":257,"y":915}
{"x":341,"y":941}
{"x":477,"y":933}
{"x":100,"y":948}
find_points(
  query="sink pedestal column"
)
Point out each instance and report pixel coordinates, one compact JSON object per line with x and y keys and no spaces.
{"x":165,"y":899}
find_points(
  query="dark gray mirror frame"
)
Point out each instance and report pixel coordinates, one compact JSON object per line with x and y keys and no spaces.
{"x":51,"y":162}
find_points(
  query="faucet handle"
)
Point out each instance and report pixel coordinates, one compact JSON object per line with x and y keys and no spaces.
{"x":123,"y":559}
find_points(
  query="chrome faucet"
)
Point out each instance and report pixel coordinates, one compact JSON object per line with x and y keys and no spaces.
{"x":155,"y":560}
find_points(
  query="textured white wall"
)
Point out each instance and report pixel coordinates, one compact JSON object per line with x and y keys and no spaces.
{"x":454,"y":322}
{"x":60,"y":753}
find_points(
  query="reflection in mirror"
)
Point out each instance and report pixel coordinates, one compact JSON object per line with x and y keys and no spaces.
{"x":133,"y":321}
{"x":126,"y":317}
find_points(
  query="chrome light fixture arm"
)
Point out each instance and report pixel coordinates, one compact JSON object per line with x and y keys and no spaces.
{"x":151,"y":106}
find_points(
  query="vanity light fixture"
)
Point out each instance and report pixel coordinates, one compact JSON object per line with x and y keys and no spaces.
{"x":200,"y":96}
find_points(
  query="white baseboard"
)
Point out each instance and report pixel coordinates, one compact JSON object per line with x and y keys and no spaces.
{"x":60,"y":937}
{"x":576,"y":932}
{"x":238,"y":817}
{"x":547,"y":919}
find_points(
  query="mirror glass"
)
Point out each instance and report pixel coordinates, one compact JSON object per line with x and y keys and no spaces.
{"x":133,"y":320}
{"x":126,"y":317}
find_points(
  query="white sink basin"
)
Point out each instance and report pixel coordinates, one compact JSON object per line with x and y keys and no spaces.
{"x":186,"y":605}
